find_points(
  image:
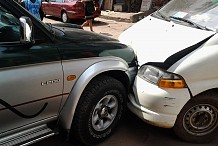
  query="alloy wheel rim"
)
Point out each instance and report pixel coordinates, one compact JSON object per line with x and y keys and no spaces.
{"x":104,"y":112}
{"x":200,"y":120}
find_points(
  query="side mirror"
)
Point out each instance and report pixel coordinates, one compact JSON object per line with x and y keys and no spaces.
{"x":26,"y":30}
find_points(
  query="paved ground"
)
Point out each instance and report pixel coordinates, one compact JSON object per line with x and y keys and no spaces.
{"x":110,"y":28}
{"x":102,"y":26}
{"x":131,"y":132}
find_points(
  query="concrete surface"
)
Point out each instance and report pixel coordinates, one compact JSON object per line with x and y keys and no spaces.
{"x":132,"y":131}
{"x":125,"y":16}
{"x":107,"y":27}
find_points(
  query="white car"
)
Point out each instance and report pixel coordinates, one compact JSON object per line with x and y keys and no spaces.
{"x":177,"y":82}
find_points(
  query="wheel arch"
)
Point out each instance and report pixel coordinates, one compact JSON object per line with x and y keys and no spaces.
{"x":209,"y":91}
{"x":120,"y":76}
{"x":116,"y":69}
{"x":207,"y":99}
{"x":63,"y":11}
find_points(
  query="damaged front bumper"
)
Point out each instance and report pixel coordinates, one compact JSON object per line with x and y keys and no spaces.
{"x":155,"y":105}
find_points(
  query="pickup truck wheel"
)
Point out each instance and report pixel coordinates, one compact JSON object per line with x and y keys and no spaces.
{"x":99,"y":110}
{"x":198,"y":120}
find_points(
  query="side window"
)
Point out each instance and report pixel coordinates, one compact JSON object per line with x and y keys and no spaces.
{"x":59,"y":1}
{"x":9,"y":27}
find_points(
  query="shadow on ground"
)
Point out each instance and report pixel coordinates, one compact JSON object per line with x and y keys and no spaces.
{"x":78,"y":21}
{"x":132,"y":131}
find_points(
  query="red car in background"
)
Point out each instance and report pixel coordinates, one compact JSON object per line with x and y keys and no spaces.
{"x":67,"y":9}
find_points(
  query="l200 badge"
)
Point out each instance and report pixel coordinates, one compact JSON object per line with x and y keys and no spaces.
{"x":50,"y":82}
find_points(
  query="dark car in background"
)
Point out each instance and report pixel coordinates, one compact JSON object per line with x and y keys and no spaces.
{"x":67,"y":9}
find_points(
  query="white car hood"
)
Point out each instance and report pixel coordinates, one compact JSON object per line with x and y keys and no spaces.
{"x":154,"y":40}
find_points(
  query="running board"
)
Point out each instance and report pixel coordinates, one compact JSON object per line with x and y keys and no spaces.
{"x":27,"y":137}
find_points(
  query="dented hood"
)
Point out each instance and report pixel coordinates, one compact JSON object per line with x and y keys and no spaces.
{"x":154,"y":40}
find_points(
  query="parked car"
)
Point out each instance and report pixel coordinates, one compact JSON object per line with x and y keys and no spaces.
{"x":177,"y":82}
{"x":67,"y":9}
{"x":59,"y":81}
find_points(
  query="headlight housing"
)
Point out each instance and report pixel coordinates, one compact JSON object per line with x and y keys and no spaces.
{"x":161,"y":78}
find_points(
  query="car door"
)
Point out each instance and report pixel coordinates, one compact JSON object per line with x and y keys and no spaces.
{"x":46,"y":6}
{"x":30,"y":78}
{"x":57,"y":7}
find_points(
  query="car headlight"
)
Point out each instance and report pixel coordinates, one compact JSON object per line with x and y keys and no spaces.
{"x":161,"y":78}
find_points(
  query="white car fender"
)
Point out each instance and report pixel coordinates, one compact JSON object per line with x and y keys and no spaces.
{"x":199,"y":68}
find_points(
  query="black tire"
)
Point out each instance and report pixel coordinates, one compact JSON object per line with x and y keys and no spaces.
{"x":64,"y":17}
{"x":103,"y":101}
{"x":198,"y":120}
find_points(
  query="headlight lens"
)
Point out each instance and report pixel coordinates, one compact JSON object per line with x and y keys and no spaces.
{"x":161,"y":78}
{"x":150,"y":73}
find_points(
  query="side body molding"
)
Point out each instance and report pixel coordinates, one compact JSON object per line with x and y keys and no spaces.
{"x":67,"y":113}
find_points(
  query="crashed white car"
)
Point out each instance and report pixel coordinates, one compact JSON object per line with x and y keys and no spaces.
{"x":177,"y":82}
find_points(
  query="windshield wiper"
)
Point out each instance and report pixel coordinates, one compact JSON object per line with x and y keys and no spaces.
{"x":163,"y":16}
{"x":192,"y":23}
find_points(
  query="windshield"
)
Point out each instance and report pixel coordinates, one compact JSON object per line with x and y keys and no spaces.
{"x":72,"y":0}
{"x":201,"y":12}
{"x":9,"y":27}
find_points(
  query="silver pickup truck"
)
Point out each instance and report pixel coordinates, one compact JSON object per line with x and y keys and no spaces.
{"x":59,"y":80}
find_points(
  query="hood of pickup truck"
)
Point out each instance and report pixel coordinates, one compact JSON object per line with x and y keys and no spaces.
{"x":79,"y":43}
{"x":80,"y":35}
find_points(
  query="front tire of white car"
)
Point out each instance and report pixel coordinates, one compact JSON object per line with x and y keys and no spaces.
{"x":99,"y":110}
{"x":198,"y":120}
